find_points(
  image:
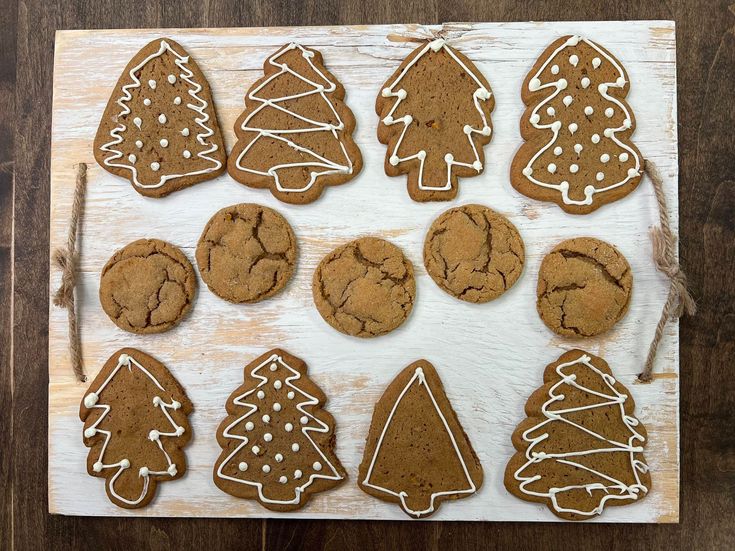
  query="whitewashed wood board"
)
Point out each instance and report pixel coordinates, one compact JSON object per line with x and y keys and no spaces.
{"x":490,"y":356}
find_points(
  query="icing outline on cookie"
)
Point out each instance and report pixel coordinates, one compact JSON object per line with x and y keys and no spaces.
{"x":90,"y":402}
{"x":421,"y":378}
{"x":481,"y":94}
{"x":322,"y":428}
{"x":186,"y":75}
{"x":630,"y":492}
{"x":278,"y":134}
{"x":534,"y":85}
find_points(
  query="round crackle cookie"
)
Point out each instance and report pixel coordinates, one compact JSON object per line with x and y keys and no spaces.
{"x":246,"y":253}
{"x":148,"y":286}
{"x":584,"y":287}
{"x":473,"y":253}
{"x":365,"y":288}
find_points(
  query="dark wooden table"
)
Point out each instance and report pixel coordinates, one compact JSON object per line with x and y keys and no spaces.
{"x":706,"y":69}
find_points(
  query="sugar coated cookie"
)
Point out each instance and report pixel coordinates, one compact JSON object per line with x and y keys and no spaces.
{"x":417,"y":454}
{"x":246,"y":253}
{"x":295,"y":135}
{"x":136,"y":425}
{"x":159,"y":129}
{"x":577,"y":126}
{"x":277,"y":440}
{"x":473,"y":253}
{"x":365,"y":288}
{"x":148,"y":286}
{"x":435,"y":119}
{"x":584,"y":287}
{"x":580,"y":449}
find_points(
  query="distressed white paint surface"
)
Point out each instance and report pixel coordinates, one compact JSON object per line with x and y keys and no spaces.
{"x":491,"y":356}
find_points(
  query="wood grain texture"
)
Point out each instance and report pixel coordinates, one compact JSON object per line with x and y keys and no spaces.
{"x":705,"y":59}
{"x":474,"y":348}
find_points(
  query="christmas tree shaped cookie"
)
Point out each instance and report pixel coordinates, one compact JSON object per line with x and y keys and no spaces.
{"x":135,"y":416}
{"x":577,"y":127}
{"x":295,"y":135}
{"x":580,"y":449}
{"x":159,"y":129}
{"x":277,"y":440}
{"x":435,"y":119}
{"x":417,"y":454}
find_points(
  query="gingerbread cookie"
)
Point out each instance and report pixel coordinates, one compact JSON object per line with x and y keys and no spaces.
{"x":417,"y":454}
{"x":246,"y":253}
{"x":577,"y":127}
{"x":580,"y":449}
{"x":584,"y":287}
{"x":435,"y":119}
{"x":159,"y":129}
{"x":365,"y":288}
{"x":295,"y":135}
{"x":148,"y":286}
{"x":277,"y":440}
{"x":136,"y":425}
{"x":473,"y":253}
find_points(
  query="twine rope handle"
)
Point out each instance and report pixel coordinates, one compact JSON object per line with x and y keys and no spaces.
{"x":678,"y":301}
{"x":66,"y":260}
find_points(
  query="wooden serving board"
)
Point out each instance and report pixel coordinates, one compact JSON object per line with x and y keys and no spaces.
{"x":490,"y":356}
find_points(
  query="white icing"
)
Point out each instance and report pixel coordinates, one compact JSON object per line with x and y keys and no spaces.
{"x":623,"y":156}
{"x":146,"y":102}
{"x":185,"y":132}
{"x":573,"y":168}
{"x":420,"y":379}
{"x":604,"y":158}
{"x":266,"y":469}
{"x":613,"y":489}
{"x":588,"y":110}
{"x":162,"y":118}
{"x":595,"y":138}
{"x":164,"y":142}
{"x":155,"y":166}
{"x":609,"y":112}
{"x":277,"y":385}
{"x":283,"y":480}
{"x":138,"y":144}
{"x":578,"y":148}
{"x":254,"y":449}
{"x":295,"y":447}
{"x":551,"y":168}
{"x":317,"y":466}
{"x":243,"y":466}
{"x":554,"y":69}
{"x":288,"y":427}
{"x":201,"y":119}
{"x":297,"y":474}
{"x":276,"y":407}
{"x":171,"y":79}
{"x":132,"y":158}
{"x":573,"y":127}
{"x":137,"y":122}
{"x":480,"y":94}
{"x":186,"y":154}
{"x":550,"y":111}
{"x":273,"y":366}
{"x":267,"y":437}
{"x":266,"y":418}
{"x":558,"y":150}
{"x":596,"y":62}
{"x":600,"y":176}
{"x":279,"y":457}
{"x":260,"y":395}
{"x":573,"y":59}
{"x":554,"y":87}
{"x":91,"y":402}
{"x":585,"y":82}
{"x":177,"y":100}
{"x":249,"y":425}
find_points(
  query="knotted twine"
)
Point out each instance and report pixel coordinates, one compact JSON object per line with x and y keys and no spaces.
{"x":679,"y":301}
{"x":66,"y":259}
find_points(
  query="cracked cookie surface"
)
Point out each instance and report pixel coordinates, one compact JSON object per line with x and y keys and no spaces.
{"x":584,"y":287}
{"x":148,"y":286}
{"x":473,"y":253}
{"x":365,"y":288}
{"x":246,"y":253}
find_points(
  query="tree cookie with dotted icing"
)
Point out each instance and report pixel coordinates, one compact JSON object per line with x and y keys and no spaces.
{"x":159,"y":129}
{"x":135,"y":416}
{"x":277,"y":440}
{"x":246,"y":253}
{"x":364,"y":288}
{"x":148,"y":286}
{"x":435,"y":119}
{"x":295,"y":135}
{"x":577,"y":125}
{"x":473,"y":253}
{"x":417,"y":454}
{"x":580,"y":449}
{"x":584,"y":287}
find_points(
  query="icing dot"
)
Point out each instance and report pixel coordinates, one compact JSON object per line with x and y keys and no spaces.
{"x":600,"y":176}
{"x":556,"y":126}
{"x":578,"y":148}
{"x":604,"y":158}
{"x":596,"y":62}
{"x":588,"y":110}
{"x":477,"y":165}
{"x":266,"y":469}
{"x":164,"y":142}
{"x":620,"y":82}
{"x":162,"y":118}
{"x":186,"y":154}
{"x":143,"y":471}
{"x":177,"y":100}
{"x":467,"y":129}
{"x":595,"y":138}
{"x":573,"y":169}
{"x":421,"y":154}
{"x":448,"y":158}
{"x":534,"y":85}
{"x":554,"y":69}
{"x":288,"y":427}
{"x":260,"y":394}
{"x":267,"y":437}
{"x":304,"y":419}
{"x":283,"y":480}
{"x":97,"y":467}
{"x":156,"y":400}
{"x":295,"y":447}
{"x":146,"y":101}
{"x":266,"y":418}
{"x":573,"y":127}
{"x":608,"y":132}
{"x":623,"y":156}
{"x":486,"y":130}
{"x":175,"y":404}
{"x":558,"y":150}
{"x":171,"y":79}
{"x":155,"y":166}
{"x":276,"y":407}
{"x":255,"y":450}
{"x":632,"y":173}
{"x":154,"y":435}
{"x":138,"y":144}
{"x":550,"y":111}
{"x":394,"y":160}
{"x":249,"y":425}
{"x":402,"y":94}
{"x":602,"y":88}
{"x":567,"y":100}
{"x":297,"y":474}
{"x":551,"y":168}
{"x":527,"y":171}
{"x":535,"y":118}
{"x":385,"y":92}
{"x":273,"y":366}
{"x":573,"y":59}
{"x":172,"y":470}
{"x":573,"y":40}
{"x":561,"y":84}
{"x":277,"y":385}
{"x":317,"y":466}
{"x":125,"y":463}
{"x":132,"y":158}
{"x":627,"y":123}
{"x":609,"y":112}
{"x":180,"y":431}
{"x":585,"y":82}
{"x":279,"y":457}
{"x":243,"y":466}
{"x":137,"y":122}
{"x":91,"y":431}
{"x":290,"y":394}
{"x":152,"y":84}
{"x":185,"y":132}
